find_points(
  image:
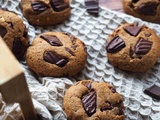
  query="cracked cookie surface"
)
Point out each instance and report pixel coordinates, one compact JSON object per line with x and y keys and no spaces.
{"x":145,"y":9}
{"x":45,"y":12}
{"x":133,"y":48}
{"x":56,"y":54}
{"x":90,"y":100}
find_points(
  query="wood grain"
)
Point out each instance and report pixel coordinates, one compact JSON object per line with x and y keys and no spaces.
{"x":13,"y":86}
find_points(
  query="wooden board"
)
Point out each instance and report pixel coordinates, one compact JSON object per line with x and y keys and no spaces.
{"x":13,"y":86}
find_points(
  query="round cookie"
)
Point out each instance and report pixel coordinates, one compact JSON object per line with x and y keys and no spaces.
{"x":14,"y":33}
{"x":56,"y":54}
{"x":148,"y":10}
{"x":45,"y":12}
{"x":133,"y":48}
{"x":93,"y":101}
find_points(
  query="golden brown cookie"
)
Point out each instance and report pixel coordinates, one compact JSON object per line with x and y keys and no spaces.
{"x":133,"y":48}
{"x":89,"y":100}
{"x":145,"y":9}
{"x":14,"y":33}
{"x":45,"y":12}
{"x":56,"y":54}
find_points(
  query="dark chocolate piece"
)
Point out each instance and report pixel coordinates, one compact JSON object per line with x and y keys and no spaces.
{"x":72,"y":37}
{"x":148,"y":9}
{"x":113,"y":90}
{"x":3,"y":31}
{"x":107,"y":107}
{"x":39,"y":6}
{"x":153,"y":91}
{"x":70,"y":51}
{"x":54,"y":58}
{"x":143,"y":46}
{"x":58,"y":5}
{"x":17,"y":47}
{"x":25,"y":33}
{"x":10,"y":25}
{"x":74,"y":46}
{"x":134,"y":1}
{"x":52,"y":40}
{"x":148,"y":34}
{"x":89,"y":103}
{"x":133,"y":30}
{"x":92,"y":6}
{"x":89,"y":85}
{"x":115,"y":45}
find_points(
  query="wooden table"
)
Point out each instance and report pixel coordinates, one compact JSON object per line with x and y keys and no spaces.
{"x":112,"y":4}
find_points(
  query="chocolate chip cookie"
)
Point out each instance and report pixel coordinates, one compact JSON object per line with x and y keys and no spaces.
{"x":14,"y":33}
{"x":89,"y":100}
{"x":145,"y":9}
{"x":56,"y":54}
{"x":45,"y":12}
{"x":133,"y":48}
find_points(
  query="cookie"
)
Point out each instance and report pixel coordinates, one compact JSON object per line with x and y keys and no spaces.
{"x":145,"y":9}
{"x":56,"y":54}
{"x":14,"y":33}
{"x":133,"y":48}
{"x":89,"y":100}
{"x":45,"y":12}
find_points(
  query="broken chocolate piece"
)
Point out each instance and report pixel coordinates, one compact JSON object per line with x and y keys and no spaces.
{"x":115,"y":45}
{"x":17,"y":47}
{"x":10,"y":25}
{"x":133,"y":30}
{"x":70,"y":51}
{"x":58,"y":5}
{"x":143,"y":46}
{"x":88,"y":85}
{"x":53,"y":58}
{"x":113,"y":90}
{"x":92,"y":6}
{"x":52,"y":40}
{"x":38,"y":6}
{"x":134,"y":1}
{"x":3,"y":31}
{"x":74,"y":46}
{"x":148,"y":9}
{"x":25,"y":33}
{"x":153,"y":91}
{"x":89,"y":103}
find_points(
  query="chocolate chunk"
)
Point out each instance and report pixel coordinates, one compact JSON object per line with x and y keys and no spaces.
{"x":89,"y":103}
{"x":52,"y":40}
{"x":113,"y":90}
{"x":74,"y":46}
{"x":25,"y":33}
{"x":72,"y":37}
{"x":107,"y":107}
{"x":153,"y":91}
{"x":134,"y":1}
{"x":70,"y":51}
{"x":10,"y":25}
{"x":148,"y":9}
{"x":17,"y":47}
{"x":58,"y":5}
{"x":54,"y":58}
{"x":148,"y":34}
{"x":131,"y":52}
{"x":133,"y":30}
{"x":88,"y":85}
{"x":120,"y":111}
{"x":92,"y":6}
{"x":115,"y":45}
{"x":143,"y":46}
{"x":3,"y":31}
{"x":38,"y":6}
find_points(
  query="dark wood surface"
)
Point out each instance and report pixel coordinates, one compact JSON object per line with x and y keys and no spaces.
{"x":112,"y":4}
